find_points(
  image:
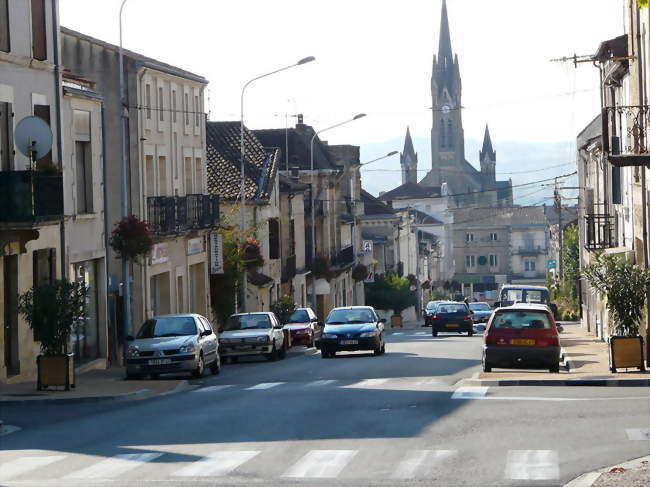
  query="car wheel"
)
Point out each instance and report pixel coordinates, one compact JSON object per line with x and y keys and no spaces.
{"x":273,"y":356}
{"x":434,"y":333}
{"x":130,"y":376}
{"x":154,"y":376}
{"x":377,"y":351}
{"x":200,"y":367}
{"x":486,"y":367}
{"x":215,"y":367}
{"x":470,"y":333}
{"x":324,"y":354}
{"x":383,"y":348}
{"x":282,"y":353}
{"x":555,"y":369}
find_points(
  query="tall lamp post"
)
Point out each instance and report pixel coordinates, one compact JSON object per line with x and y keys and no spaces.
{"x":242,"y":151}
{"x":124,"y":114}
{"x":312,"y":197}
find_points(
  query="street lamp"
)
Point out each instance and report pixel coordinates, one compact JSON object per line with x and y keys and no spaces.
{"x":312,"y":197}
{"x":242,"y":150}
{"x":392,"y":153}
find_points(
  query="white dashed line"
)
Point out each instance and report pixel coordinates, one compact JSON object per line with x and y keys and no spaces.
{"x":213,"y":388}
{"x":23,"y":465}
{"x":263,"y":386}
{"x":532,"y":465}
{"x":217,"y":464}
{"x":114,"y":466}
{"x":321,"y":464}
{"x":469,"y":393}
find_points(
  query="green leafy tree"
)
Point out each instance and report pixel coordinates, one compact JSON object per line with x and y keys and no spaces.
{"x":389,"y":291}
{"x":283,"y":308}
{"x":571,"y":259}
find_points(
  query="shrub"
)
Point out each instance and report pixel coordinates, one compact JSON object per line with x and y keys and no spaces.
{"x":283,"y":308}
{"x":390,"y":291}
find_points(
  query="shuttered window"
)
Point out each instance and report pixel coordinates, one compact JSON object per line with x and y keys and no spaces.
{"x":6,"y":136}
{"x":274,"y":239}
{"x":44,"y":266}
{"x":43,"y":111}
{"x":39,"y":35}
{"x":5,"y":45}
{"x":84,"y":177}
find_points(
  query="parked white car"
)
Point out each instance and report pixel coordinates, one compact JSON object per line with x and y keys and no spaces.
{"x":252,"y":334}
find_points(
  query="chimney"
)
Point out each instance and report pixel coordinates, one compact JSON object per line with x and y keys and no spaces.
{"x":300,"y":118}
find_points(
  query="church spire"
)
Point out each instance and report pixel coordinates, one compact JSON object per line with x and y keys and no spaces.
{"x":445,"y":55}
{"x":487,"y":146}
{"x":488,"y":158}
{"x":408,"y":145}
{"x":409,"y":161}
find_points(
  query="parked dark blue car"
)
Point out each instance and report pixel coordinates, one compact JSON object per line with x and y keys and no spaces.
{"x":352,"y":328}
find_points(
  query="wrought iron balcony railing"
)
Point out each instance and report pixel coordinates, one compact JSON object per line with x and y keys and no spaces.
{"x":170,"y":215}
{"x":30,"y":195}
{"x":344,"y":257}
{"x":625,"y":135}
{"x":600,"y":231}
{"x":161,"y":214}
{"x":202,"y":211}
{"x":525,"y":250}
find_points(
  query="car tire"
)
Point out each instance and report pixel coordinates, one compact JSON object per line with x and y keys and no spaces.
{"x":555,"y":369}
{"x":130,"y":376}
{"x":324,"y":353}
{"x":383,"y":348}
{"x":470,"y":333}
{"x":434,"y":333}
{"x":273,"y":356}
{"x":282,"y":353}
{"x":200,"y":367}
{"x":154,"y":376}
{"x":215,"y":367}
{"x":486,"y":367}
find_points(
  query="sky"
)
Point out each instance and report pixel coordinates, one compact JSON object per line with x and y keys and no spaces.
{"x":374,"y":57}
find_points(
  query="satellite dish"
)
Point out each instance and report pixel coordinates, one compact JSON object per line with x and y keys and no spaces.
{"x":33,"y":137}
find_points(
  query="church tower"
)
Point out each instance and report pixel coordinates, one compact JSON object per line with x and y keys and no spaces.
{"x":488,"y":158}
{"x":409,"y":161}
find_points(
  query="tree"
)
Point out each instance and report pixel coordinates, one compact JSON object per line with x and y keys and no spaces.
{"x":390,"y":291}
{"x":571,"y":259}
{"x":283,"y":308}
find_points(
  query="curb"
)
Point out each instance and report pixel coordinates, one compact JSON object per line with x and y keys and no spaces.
{"x":557,"y":382}
{"x":133,"y":395}
{"x":588,"y":479}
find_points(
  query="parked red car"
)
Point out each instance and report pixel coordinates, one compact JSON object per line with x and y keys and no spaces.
{"x":302,"y":327}
{"x":522,"y":336}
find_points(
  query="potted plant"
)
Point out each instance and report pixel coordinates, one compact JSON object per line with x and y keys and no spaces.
{"x":131,"y":238}
{"x":52,"y":310}
{"x":250,"y":251}
{"x":625,"y":286}
{"x":321,"y":268}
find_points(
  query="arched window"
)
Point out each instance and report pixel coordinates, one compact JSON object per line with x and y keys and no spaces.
{"x":443,"y":139}
{"x":450,"y":134}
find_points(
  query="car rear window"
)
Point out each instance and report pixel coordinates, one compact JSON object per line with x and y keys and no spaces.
{"x":452,"y":308}
{"x":522,"y":320}
{"x":431,"y":305}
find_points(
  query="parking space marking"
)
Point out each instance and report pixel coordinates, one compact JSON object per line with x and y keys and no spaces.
{"x":321,"y":464}
{"x":217,"y":464}
{"x":469,"y":393}
{"x":642,"y":434}
{"x":114,"y":466}
{"x":532,"y":465}
{"x":22,"y":465}
{"x":263,"y":386}
{"x":213,"y":388}
{"x":319,"y":383}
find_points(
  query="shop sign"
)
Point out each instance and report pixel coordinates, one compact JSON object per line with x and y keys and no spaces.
{"x":216,"y":253}
{"x":195,"y":246}
{"x":159,"y":254}
{"x":367,"y":246}
{"x":552,"y":263}
{"x":370,"y":278}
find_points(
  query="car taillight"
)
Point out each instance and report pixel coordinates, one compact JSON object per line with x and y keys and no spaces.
{"x":553,"y":341}
{"x":434,"y":317}
{"x":468,"y":317}
{"x":491,"y":340}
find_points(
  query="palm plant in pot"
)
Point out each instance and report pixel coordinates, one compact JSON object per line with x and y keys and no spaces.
{"x":625,"y":286}
{"x":52,"y":310}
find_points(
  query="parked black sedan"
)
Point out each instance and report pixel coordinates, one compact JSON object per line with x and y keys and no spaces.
{"x":452,"y":317}
{"x":352,"y":328}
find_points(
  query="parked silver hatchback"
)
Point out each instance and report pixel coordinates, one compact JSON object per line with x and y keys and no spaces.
{"x":173,"y":343}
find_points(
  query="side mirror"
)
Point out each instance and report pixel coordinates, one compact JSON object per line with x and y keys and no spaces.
{"x":383,"y":320}
{"x":278,"y":327}
{"x":206,"y":333}
{"x":321,"y":324}
{"x":130,"y":338}
{"x":314,"y":320}
{"x":497,"y":304}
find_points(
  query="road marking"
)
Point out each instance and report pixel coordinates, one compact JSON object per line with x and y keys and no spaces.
{"x":114,"y":466}
{"x":7,"y":429}
{"x":469,"y":393}
{"x":319,"y":383}
{"x":263,"y":386}
{"x":369,"y":383}
{"x":321,"y":464}
{"x":408,"y":467}
{"x":218,"y":464}
{"x":532,"y":465}
{"x":421,"y":333}
{"x":23,"y":465}
{"x":638,"y":434}
{"x":397,"y":333}
{"x":213,"y":388}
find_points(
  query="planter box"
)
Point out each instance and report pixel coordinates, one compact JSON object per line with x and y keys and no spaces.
{"x":55,"y":371}
{"x":396,"y":321}
{"x":626,"y":352}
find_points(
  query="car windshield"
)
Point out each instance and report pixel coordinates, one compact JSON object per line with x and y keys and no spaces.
{"x":247,"y":322}
{"x":452,"y":308}
{"x":350,"y":316}
{"x":167,"y":327}
{"x":522,"y":320}
{"x":479,"y":306}
{"x":299,"y":316}
{"x":431,"y":305}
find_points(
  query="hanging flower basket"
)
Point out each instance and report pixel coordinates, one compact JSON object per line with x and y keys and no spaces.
{"x":320,"y":268}
{"x":412,"y":279}
{"x":426,"y":285}
{"x":131,"y":238}
{"x":359,"y":273}
{"x":250,"y":251}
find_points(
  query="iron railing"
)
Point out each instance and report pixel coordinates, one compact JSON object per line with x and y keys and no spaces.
{"x":625,"y":134}
{"x":202,"y":211}
{"x":525,"y":250}
{"x":30,"y":195}
{"x":170,"y":215}
{"x":600,"y":231}
{"x":161,"y":213}
{"x":344,"y":257}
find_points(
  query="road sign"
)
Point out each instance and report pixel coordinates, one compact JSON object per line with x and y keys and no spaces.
{"x":551,"y":264}
{"x":370,"y":277}
{"x":367,"y":246}
{"x":216,"y":253}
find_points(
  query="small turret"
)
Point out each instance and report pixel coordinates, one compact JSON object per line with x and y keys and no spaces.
{"x":409,"y":161}
{"x":488,"y":157}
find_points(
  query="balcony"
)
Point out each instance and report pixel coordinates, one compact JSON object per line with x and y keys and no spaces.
{"x":28,"y":196}
{"x":625,"y":135}
{"x":528,"y":250}
{"x":289,"y":269}
{"x":600,"y":232}
{"x":171,"y":215}
{"x":344,"y":257}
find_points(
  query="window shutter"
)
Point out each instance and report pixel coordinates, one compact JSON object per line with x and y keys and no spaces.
{"x":52,"y":262}
{"x":39,"y":40}
{"x":43,"y":112}
{"x":6,"y":137}
{"x":274,"y":239}
{"x":5,"y":45}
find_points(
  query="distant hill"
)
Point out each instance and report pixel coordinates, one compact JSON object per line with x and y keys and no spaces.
{"x":523,"y":162}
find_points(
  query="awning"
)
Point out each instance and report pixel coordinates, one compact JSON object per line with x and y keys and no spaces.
{"x":260,"y":280}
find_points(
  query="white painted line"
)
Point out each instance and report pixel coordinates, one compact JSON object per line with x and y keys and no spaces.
{"x":263,"y":386}
{"x":369,"y":383}
{"x":409,"y":465}
{"x":22,"y":465}
{"x":213,"y":388}
{"x":397,"y":333}
{"x":532,"y":465}
{"x":638,"y":434}
{"x":320,"y":383}
{"x":421,"y":333}
{"x":321,"y":464}
{"x":218,"y":464}
{"x":469,"y":393}
{"x":7,"y":429}
{"x":114,"y":466}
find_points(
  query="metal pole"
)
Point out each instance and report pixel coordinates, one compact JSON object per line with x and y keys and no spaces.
{"x":126,"y":284}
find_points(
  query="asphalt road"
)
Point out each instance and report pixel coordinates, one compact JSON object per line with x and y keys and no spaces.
{"x":396,"y":419}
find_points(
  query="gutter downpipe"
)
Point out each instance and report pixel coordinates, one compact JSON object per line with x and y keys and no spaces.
{"x":112,"y":353}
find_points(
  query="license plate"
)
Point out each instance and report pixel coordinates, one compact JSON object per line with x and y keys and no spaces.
{"x":522,"y":341}
{"x":160,"y":361}
{"x":349,"y":342}
{"x":452,"y":325}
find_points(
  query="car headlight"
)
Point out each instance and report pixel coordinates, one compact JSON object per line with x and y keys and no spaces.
{"x":329,"y":335}
{"x":368,"y":334}
{"x":132,"y":352}
{"x":187,"y":348}
{"x":263,"y":339}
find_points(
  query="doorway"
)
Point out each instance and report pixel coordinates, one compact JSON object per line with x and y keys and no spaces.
{"x":10,"y":277}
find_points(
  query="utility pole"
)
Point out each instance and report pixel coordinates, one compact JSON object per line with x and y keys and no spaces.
{"x":557,"y":198}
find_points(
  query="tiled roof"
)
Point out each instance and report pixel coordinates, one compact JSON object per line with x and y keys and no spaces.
{"x":373,"y":206}
{"x":411,"y":191}
{"x":516,"y":215}
{"x":299,"y":147}
{"x":223,"y":162}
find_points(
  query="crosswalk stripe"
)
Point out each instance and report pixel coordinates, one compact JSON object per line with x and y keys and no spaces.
{"x":532,"y":465}
{"x":408,"y":467}
{"x":319,"y":383}
{"x":213,"y":388}
{"x":398,"y":333}
{"x":369,"y":383}
{"x":114,"y":466}
{"x":421,"y":333}
{"x":321,"y":464}
{"x":263,"y":385}
{"x":638,"y":434}
{"x":218,"y":464}
{"x":469,"y":393}
{"x":22,"y":465}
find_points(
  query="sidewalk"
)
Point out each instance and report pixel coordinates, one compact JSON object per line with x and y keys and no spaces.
{"x":635,"y":473}
{"x":586,"y":361}
{"x":94,"y":385}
